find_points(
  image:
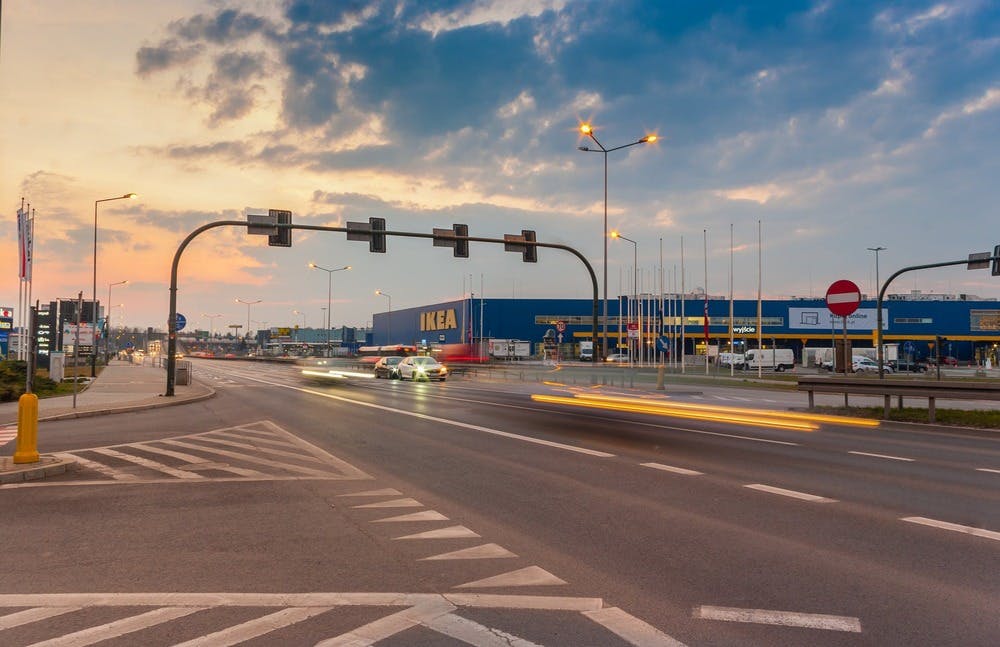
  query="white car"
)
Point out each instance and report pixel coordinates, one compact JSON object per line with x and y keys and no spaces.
{"x":421,"y":368}
{"x":617,"y":358}
{"x":864,"y":364}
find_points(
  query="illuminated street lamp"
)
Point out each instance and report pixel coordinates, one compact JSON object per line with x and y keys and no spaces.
{"x":211,"y":325}
{"x":635,"y":287}
{"x":588,"y":130}
{"x":389,"y":327}
{"x":329,"y":299}
{"x":93,"y":355}
{"x":107,"y":321}
{"x":248,"y":304}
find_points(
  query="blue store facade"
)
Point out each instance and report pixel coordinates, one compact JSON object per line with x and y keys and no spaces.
{"x":971,"y":328}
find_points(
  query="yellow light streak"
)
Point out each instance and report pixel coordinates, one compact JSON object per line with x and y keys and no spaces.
{"x":789,"y":415}
{"x":638,"y":406}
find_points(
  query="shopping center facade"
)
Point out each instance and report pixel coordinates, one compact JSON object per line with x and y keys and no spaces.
{"x":969,"y":325}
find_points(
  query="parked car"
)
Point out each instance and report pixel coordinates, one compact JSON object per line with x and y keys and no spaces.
{"x":421,"y":368}
{"x":617,"y":358}
{"x":386,"y":367}
{"x":947,"y":360}
{"x":862,"y":364}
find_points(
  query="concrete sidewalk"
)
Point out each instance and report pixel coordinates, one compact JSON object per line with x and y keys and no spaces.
{"x":120,"y":387}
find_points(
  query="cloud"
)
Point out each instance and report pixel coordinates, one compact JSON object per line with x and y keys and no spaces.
{"x":166,"y":55}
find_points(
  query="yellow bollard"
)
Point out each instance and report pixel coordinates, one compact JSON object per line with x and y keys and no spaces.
{"x":27,"y":429}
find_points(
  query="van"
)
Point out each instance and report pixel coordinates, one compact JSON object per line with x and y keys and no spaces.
{"x":779,"y":359}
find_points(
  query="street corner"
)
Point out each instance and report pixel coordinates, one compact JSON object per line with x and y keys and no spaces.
{"x":11,"y":472}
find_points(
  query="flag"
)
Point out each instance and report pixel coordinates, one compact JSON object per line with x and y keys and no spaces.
{"x":29,"y":246}
{"x":21,"y":243}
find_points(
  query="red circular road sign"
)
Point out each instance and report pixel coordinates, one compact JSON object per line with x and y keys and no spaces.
{"x":843,"y":297}
{"x":561,"y":326}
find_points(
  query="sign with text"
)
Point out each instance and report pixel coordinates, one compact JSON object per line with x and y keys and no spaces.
{"x":86,"y":334}
{"x":823,"y":319}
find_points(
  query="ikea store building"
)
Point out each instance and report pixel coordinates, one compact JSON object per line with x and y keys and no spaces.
{"x":969,"y":325}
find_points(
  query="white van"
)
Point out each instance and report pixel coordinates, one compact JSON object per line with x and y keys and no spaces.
{"x":779,"y":359}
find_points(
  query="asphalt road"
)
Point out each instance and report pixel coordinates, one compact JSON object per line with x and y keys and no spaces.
{"x":547,"y":522}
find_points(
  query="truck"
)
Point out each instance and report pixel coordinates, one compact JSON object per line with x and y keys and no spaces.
{"x":509,"y":349}
{"x":586,"y":351}
{"x":779,"y":359}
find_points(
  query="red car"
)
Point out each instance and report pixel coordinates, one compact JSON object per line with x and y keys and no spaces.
{"x":947,"y":360}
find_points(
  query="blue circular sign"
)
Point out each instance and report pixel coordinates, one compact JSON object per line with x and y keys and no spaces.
{"x":181,"y":321}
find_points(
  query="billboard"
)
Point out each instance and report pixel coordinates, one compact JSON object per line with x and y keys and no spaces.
{"x":820,"y":318}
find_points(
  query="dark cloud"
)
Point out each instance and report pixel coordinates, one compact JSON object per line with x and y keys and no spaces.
{"x":225,"y":27}
{"x":166,"y":55}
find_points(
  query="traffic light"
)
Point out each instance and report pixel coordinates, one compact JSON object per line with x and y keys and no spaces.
{"x":530,"y":251}
{"x":996,"y":261}
{"x":377,"y":241}
{"x":284,"y":236}
{"x":461,"y":246}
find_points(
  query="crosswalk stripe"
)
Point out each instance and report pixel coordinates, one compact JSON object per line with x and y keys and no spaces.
{"x":119,"y":627}
{"x":254,"y":628}
{"x":375,"y":631}
{"x":191,"y":458}
{"x":145,"y":462}
{"x":267,"y":450}
{"x":248,"y":458}
{"x":473,"y":633}
{"x":28,"y":616}
{"x":106,"y":470}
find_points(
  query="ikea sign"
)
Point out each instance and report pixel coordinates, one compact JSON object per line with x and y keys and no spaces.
{"x":438,"y":320}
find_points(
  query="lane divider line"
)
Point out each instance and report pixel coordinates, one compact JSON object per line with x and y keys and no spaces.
{"x":944,"y":525}
{"x":782,"y":618}
{"x":790,"y":493}
{"x":885,"y":456}
{"x":670,"y":468}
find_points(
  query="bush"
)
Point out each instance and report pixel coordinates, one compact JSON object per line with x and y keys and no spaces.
{"x":14,"y":373}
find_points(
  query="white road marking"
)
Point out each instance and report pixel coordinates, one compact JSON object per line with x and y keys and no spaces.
{"x":208,"y":438}
{"x":28,"y":616}
{"x":944,"y":525}
{"x":119,"y":627}
{"x":473,"y":633}
{"x":426,"y":515}
{"x":885,"y":456}
{"x":486,"y":551}
{"x":255,"y":628}
{"x":790,"y":493}
{"x":383,"y":492}
{"x":631,"y":629}
{"x":245,"y":457}
{"x":148,"y":464}
{"x":528,"y":576}
{"x":118,"y":475}
{"x":783,"y":618}
{"x":986,"y":469}
{"x":669,"y":468}
{"x":382,"y":628}
{"x":451,"y":532}
{"x":395,"y":503}
{"x":194,"y":461}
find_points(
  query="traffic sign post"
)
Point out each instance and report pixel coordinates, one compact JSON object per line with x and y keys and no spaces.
{"x":842,"y":299}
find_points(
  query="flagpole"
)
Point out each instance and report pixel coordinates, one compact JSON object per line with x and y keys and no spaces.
{"x":683,"y":299}
{"x":760,"y":333}
{"x":732,"y":350}
{"x":704,"y":233}
{"x":659,"y":327}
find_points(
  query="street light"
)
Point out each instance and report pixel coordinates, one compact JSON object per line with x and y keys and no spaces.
{"x":299,"y":312}
{"x":877,"y":250}
{"x":389,"y":327}
{"x":588,"y":130}
{"x":635,"y":283}
{"x":93,"y":355}
{"x":248,"y":304}
{"x":329,"y":299}
{"x":107,"y":321}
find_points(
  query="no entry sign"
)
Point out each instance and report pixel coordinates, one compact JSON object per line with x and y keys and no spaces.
{"x":843,"y":297}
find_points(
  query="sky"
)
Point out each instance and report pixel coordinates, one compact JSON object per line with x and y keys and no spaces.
{"x":837,"y":126}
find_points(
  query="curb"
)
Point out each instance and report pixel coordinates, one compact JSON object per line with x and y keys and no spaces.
{"x":10,"y":472}
{"x":136,"y":407}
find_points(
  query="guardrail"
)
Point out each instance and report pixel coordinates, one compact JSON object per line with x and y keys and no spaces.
{"x":932,"y":390}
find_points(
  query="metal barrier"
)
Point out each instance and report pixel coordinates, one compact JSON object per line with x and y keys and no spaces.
{"x":932,"y":390}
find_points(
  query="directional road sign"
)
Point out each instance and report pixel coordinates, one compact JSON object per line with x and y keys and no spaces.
{"x":843,"y":297}
{"x":181,"y":322}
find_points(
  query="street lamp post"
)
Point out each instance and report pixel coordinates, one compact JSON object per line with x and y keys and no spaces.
{"x":211,"y":325}
{"x":93,"y":355}
{"x":635,"y":287}
{"x":329,"y":299}
{"x":389,"y":327}
{"x":107,"y":323}
{"x":877,"y":249}
{"x":303,"y":315}
{"x":248,"y":304}
{"x":588,"y":130}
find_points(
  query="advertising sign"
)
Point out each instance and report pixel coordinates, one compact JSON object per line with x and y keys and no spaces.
{"x":86,"y":334}
{"x":822,"y":319}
